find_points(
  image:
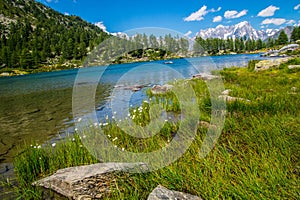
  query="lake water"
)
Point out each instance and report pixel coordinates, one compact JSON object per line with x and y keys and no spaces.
{"x":38,"y":107}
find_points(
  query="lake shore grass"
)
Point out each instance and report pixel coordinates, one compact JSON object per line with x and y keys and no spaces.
{"x":256,"y":156}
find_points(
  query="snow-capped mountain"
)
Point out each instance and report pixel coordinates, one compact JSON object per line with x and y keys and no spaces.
{"x":242,"y":29}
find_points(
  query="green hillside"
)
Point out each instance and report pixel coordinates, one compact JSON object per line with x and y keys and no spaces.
{"x":37,"y":38}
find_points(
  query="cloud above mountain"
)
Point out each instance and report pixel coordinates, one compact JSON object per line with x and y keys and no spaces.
{"x":217,"y":19}
{"x":199,"y":15}
{"x":101,"y":25}
{"x":268,"y":12}
{"x":275,"y":21}
{"x":297,"y":7}
{"x":232,"y":14}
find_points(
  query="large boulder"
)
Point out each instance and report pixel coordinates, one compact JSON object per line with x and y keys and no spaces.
{"x":205,"y":77}
{"x":161,"y":89}
{"x":87,"y":182}
{"x":267,"y":64}
{"x":162,"y":193}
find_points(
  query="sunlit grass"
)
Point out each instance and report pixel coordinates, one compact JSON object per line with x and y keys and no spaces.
{"x":256,"y":157}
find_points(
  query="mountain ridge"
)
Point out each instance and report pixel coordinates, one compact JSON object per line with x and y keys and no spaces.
{"x":242,"y":29}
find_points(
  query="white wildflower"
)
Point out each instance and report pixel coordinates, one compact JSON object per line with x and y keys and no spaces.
{"x":79,"y":119}
{"x":54,"y":144}
{"x":123,"y":149}
{"x":109,"y":136}
{"x":39,"y":147}
{"x":115,"y":139}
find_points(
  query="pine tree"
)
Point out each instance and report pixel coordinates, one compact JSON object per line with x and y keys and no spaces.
{"x":282,"y":38}
{"x":295,"y":34}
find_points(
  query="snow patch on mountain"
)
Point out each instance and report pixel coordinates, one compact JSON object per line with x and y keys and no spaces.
{"x":242,"y":29}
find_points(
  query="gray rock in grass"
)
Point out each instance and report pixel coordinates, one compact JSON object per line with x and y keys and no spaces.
{"x":162,"y":193}
{"x":87,"y":182}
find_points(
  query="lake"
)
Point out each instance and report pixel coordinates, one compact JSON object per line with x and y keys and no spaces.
{"x":38,"y":107}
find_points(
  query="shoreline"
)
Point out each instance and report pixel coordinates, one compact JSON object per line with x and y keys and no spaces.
{"x":45,"y":69}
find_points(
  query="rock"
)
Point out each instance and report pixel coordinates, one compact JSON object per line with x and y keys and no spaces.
{"x":162,"y":193}
{"x":87,"y":182}
{"x":134,"y":88}
{"x":161,"y":89}
{"x":231,"y":99}
{"x":293,"y":66}
{"x":226,"y":92}
{"x":4,"y":74}
{"x":294,"y":89}
{"x":207,"y":125}
{"x":267,"y":64}
{"x":205,"y":77}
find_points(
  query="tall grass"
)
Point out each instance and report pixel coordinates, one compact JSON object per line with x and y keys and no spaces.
{"x":256,"y":157}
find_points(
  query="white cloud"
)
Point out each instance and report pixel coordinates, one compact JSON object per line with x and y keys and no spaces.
{"x":101,"y":25}
{"x":49,"y":1}
{"x":276,"y":21}
{"x":213,"y":10}
{"x":199,"y":15}
{"x":290,"y":22}
{"x":268,"y":12}
{"x":297,"y":7}
{"x":217,"y":19}
{"x":188,"y":34}
{"x":231,"y":14}
{"x":66,"y":13}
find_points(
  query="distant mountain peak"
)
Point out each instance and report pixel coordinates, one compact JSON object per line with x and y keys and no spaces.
{"x":242,"y":29}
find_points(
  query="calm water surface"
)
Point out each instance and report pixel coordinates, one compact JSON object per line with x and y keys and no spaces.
{"x":38,"y":107}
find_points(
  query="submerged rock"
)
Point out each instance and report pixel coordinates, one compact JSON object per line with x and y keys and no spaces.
{"x":87,"y":182}
{"x":162,"y":193}
{"x":161,"y":89}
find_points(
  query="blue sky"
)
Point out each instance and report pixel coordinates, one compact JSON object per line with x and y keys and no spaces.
{"x":183,"y":16}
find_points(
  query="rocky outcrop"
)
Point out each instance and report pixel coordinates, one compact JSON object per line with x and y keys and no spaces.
{"x":162,"y":193}
{"x":161,"y":89}
{"x":267,"y":64}
{"x":87,"y":182}
{"x":293,"y":66}
{"x":231,"y":99}
{"x":205,"y":77}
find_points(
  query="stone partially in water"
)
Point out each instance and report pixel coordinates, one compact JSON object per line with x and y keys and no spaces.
{"x":162,"y":193}
{"x":88,"y":182}
{"x":161,"y":89}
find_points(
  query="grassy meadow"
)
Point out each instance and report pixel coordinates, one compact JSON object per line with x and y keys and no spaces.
{"x":256,"y":156}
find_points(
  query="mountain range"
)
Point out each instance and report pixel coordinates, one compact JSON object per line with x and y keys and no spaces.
{"x":242,"y":29}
